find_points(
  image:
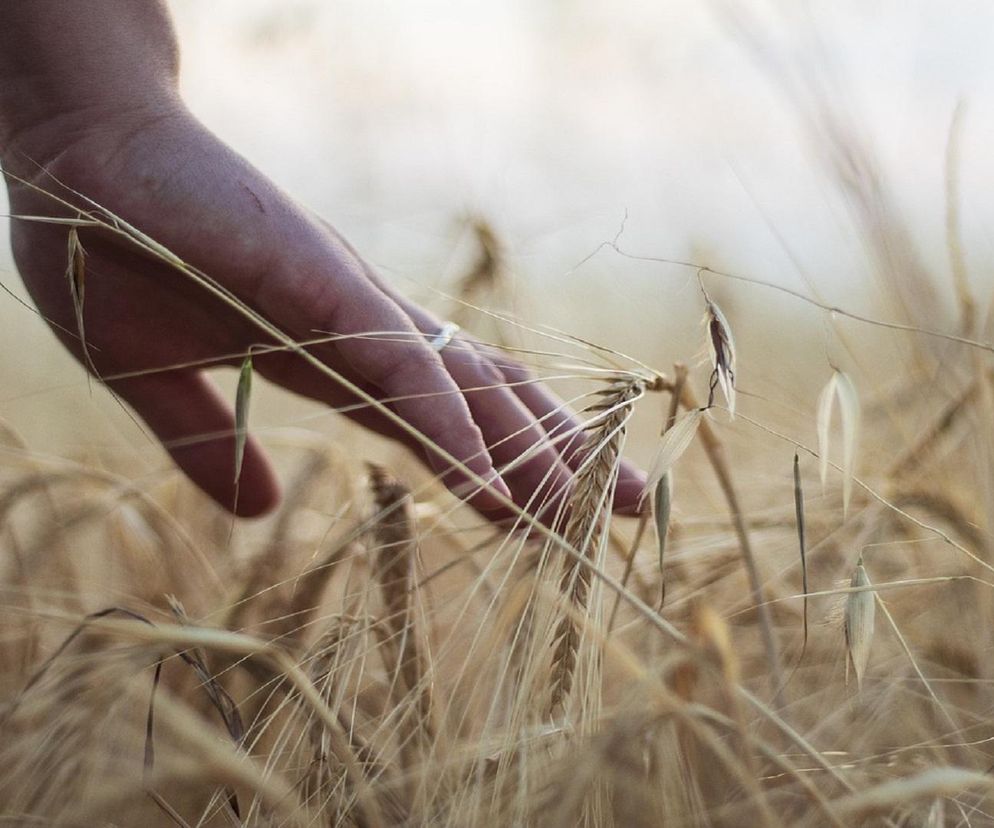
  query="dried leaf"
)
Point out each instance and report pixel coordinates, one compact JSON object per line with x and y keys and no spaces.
{"x":242,"y":396}
{"x":721,"y":346}
{"x":672,"y":445}
{"x":860,"y":610}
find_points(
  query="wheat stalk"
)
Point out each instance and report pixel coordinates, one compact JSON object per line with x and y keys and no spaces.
{"x":715,"y":453}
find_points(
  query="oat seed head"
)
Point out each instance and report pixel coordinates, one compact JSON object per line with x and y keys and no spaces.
{"x":721,"y":347}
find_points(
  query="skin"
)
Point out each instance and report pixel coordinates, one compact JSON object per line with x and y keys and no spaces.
{"x":89,"y":99}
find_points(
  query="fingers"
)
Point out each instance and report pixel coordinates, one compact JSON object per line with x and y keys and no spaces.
{"x":563,"y":428}
{"x":196,"y":426}
{"x":399,"y":365}
{"x":560,"y":423}
{"x":460,"y":399}
{"x":528,"y":461}
{"x":556,"y":418}
{"x":294,"y":374}
{"x":520,"y":447}
{"x":530,"y":482}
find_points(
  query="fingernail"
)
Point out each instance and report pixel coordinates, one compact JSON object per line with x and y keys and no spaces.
{"x":627,"y":496}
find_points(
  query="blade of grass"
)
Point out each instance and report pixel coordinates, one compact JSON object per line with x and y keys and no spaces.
{"x":799,"y":513}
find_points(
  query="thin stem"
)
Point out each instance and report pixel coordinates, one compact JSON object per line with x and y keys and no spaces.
{"x":716,"y":456}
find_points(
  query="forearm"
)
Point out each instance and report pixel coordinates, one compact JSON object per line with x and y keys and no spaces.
{"x":81,"y":60}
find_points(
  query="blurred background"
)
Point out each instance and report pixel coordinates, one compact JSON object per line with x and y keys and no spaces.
{"x":712,"y":131}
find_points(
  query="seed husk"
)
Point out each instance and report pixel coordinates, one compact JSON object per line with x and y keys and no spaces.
{"x":663,"y":498}
{"x":242,"y":396}
{"x":840,"y":386}
{"x":76,"y":277}
{"x":860,"y":610}
{"x":721,"y":346}
{"x":672,"y":445}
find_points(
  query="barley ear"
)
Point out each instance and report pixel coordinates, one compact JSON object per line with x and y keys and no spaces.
{"x":860,"y":609}
{"x":585,"y":526}
{"x":396,"y":550}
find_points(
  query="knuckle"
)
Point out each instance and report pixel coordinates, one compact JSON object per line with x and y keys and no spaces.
{"x":406,"y":362}
{"x":511,"y":370}
{"x":490,"y":374}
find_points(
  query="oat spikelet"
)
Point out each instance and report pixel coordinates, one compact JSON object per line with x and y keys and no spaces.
{"x":589,"y":504}
{"x":76,"y":277}
{"x":661,"y":503}
{"x":840,"y":387}
{"x":672,"y":446}
{"x":860,"y":609}
{"x":242,"y":396}
{"x":721,"y":346}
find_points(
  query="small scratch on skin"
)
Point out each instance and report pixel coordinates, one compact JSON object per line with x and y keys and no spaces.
{"x":255,"y":198}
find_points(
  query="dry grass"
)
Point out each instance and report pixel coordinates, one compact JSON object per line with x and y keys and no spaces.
{"x":374,"y":655}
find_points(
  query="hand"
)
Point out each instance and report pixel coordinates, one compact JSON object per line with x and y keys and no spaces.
{"x":162,"y":171}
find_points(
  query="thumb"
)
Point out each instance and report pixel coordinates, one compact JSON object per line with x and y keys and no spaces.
{"x":196,"y":426}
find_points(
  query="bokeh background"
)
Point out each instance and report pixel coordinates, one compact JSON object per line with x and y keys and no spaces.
{"x":555,"y":121}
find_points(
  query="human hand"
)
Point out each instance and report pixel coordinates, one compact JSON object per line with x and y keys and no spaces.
{"x":159,"y":169}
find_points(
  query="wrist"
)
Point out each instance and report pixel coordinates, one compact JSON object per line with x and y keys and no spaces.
{"x":31,"y":144}
{"x":65,"y":69}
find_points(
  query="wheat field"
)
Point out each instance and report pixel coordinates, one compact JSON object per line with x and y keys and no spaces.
{"x":795,"y":632}
{"x":791,"y":634}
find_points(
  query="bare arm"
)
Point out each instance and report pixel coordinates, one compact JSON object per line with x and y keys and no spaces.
{"x":94,"y":59}
{"x":88,"y":97}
